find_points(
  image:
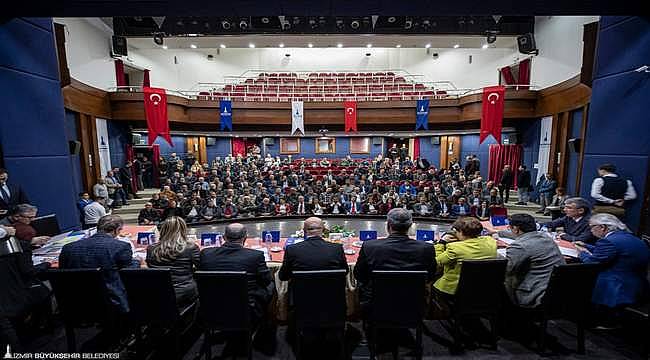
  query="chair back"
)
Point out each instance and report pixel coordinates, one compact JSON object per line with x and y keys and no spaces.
{"x":46,"y":225}
{"x":319,"y":298}
{"x":569,"y":290}
{"x":81,"y":295}
{"x":398,"y":298}
{"x":151,"y":296}
{"x":480,"y":287}
{"x":223,"y":299}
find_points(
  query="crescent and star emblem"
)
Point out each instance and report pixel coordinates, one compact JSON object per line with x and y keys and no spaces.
{"x":153,"y":96}
{"x":495,"y":95}
{"x":350,"y":110}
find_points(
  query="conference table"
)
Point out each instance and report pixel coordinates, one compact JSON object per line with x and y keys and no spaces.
{"x":274,"y":254}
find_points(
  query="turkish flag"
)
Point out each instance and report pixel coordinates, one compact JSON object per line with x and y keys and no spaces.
{"x":492,"y":115}
{"x":350,"y":115}
{"x":155,"y":111}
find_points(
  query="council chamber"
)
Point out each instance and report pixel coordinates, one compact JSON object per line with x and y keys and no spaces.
{"x":324,"y":180}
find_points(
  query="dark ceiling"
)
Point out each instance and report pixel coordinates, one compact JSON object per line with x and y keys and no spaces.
{"x":106,"y":8}
{"x":455,"y":25}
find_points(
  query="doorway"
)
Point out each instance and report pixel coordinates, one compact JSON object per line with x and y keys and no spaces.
{"x":449,"y":151}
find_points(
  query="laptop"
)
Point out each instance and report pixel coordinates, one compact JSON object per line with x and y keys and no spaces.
{"x":210,"y":239}
{"x":367,"y":235}
{"x":425,"y":235}
{"x":499,"y":220}
{"x":270,"y":236}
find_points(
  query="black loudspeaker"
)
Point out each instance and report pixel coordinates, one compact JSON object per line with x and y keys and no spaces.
{"x":574,"y":144}
{"x":136,"y":139}
{"x":435,"y":140}
{"x":269,"y":141}
{"x":510,"y":139}
{"x":526,"y":44}
{"x":75,"y":147}
{"x":376,"y":140}
{"x":210,"y":141}
{"x":119,"y":46}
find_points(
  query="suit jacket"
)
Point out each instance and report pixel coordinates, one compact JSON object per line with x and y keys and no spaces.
{"x":574,"y":230}
{"x":101,"y":251}
{"x":531,"y":259}
{"x":307,"y":208}
{"x":396,"y":252}
{"x":16,"y":196}
{"x":451,"y":256}
{"x":625,"y":260}
{"x":234,"y":257}
{"x":182,"y":269}
{"x":312,"y":254}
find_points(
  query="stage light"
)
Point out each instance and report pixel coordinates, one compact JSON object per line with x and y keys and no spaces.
{"x":193,"y":46}
{"x":408,"y":24}
{"x":223,"y":46}
{"x":426,"y":24}
{"x":355,"y":24}
{"x":164,"y":47}
{"x":265,"y":20}
{"x":339,"y":45}
{"x":313,"y":23}
{"x":339,"y":24}
{"x":391,"y":19}
{"x":491,"y":36}
{"x":398,"y":46}
{"x":158,"y":38}
{"x":369,"y":46}
{"x":243,"y":24}
{"x":485,"y":46}
{"x":281,"y":45}
{"x":456,"y":46}
{"x":251,"y":45}
{"x":310,"y":45}
{"x":427,"y":46}
{"x":226,"y":25}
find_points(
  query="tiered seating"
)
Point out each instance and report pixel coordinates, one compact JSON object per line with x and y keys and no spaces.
{"x":325,"y":86}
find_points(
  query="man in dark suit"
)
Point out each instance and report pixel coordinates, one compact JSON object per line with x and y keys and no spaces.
{"x":10,"y":195}
{"x":506,"y":183}
{"x":575,"y":222}
{"x":233,"y":256}
{"x":523,"y":184}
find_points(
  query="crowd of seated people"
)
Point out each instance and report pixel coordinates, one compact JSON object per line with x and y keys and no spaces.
{"x":246,"y":186}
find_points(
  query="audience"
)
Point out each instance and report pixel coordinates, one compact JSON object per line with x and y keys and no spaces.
{"x":575,"y":222}
{"x":148,"y":215}
{"x":175,"y":252}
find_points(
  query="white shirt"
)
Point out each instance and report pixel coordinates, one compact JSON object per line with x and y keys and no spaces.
{"x":597,"y":187}
{"x":93,"y":212}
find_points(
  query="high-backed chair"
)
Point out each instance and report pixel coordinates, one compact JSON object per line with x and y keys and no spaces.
{"x":388,"y":311}
{"x":319,"y":303}
{"x":223,"y":298}
{"x":152,"y":302}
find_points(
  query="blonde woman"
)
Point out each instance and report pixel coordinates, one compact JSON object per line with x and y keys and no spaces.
{"x":174,"y":251}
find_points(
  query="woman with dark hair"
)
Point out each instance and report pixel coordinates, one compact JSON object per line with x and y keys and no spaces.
{"x":175,"y":252}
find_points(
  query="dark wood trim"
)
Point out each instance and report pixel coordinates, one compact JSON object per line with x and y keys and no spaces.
{"x":64,"y":71}
{"x":552,"y":160}
{"x":562,"y":147}
{"x":89,"y":155}
{"x":86,"y":99}
{"x":565,"y":96}
{"x":589,"y":40}
{"x":583,"y":143}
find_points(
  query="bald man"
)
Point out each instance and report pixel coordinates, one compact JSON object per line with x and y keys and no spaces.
{"x":312,"y":254}
{"x":233,"y":256}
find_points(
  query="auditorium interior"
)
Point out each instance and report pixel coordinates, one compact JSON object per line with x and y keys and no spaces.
{"x":324,"y":180}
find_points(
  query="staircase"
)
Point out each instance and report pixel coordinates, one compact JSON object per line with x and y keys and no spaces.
{"x":130,"y":213}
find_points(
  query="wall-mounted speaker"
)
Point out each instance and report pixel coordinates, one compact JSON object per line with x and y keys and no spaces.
{"x":376,"y":140}
{"x":136,"y":139}
{"x":435,"y":140}
{"x":75,"y":147}
{"x":119,"y":46}
{"x":574,"y":144}
{"x":210,"y":141}
{"x":269,"y":141}
{"x":526,"y":44}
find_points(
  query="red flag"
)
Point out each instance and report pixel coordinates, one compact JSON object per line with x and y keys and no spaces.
{"x":155,"y":111}
{"x":492,"y":115}
{"x":350,"y":115}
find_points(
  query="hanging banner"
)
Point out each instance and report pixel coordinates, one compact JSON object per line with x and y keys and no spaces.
{"x":103,"y":145}
{"x":350,"y":115}
{"x":492,"y":115}
{"x":422,"y":115}
{"x":225,"y":112}
{"x":297,"y":117}
{"x":155,"y":110}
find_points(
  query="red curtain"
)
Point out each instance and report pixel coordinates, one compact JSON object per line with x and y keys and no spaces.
{"x":155,"y":161}
{"x":238,"y":147}
{"x":501,"y":155}
{"x":145,"y":79}
{"x":130,"y":155}
{"x":506,"y":73}
{"x":524,"y":72}
{"x":416,"y":148}
{"x":120,"y":78}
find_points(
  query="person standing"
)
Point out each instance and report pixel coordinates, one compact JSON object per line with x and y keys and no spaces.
{"x":506,"y":183}
{"x":137,"y":169}
{"x":10,"y":195}
{"x":147,"y":172}
{"x":126,"y":179}
{"x":523,"y":185}
{"x":546,"y":190}
{"x":610,"y":191}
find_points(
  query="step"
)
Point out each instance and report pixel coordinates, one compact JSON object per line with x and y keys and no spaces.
{"x":140,"y":202}
{"x":131,"y":209}
{"x":148,"y":192}
{"x":529,"y":206}
{"x":130,"y":219}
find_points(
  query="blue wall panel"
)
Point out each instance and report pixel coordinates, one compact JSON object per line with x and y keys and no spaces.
{"x":429,"y":151}
{"x":221,"y":149}
{"x":32,"y":123}
{"x":575,"y":126}
{"x":469,"y":146}
{"x":75,"y":162}
{"x":118,"y":137}
{"x":180,"y":145}
{"x":529,"y":132}
{"x":622,"y":46}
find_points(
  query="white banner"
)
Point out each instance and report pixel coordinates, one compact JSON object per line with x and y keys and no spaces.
{"x":104,"y":148}
{"x":297,"y":118}
{"x":546,"y":129}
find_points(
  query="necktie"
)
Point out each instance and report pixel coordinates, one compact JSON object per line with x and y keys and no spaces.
{"x":5,"y":195}
{"x":300,"y":211}
{"x":354,"y":208}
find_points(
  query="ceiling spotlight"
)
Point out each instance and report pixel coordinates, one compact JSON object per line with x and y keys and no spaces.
{"x":339,"y":45}
{"x":427,"y":46}
{"x":226,"y":25}
{"x":485,"y":46}
{"x":339,"y":24}
{"x":164,"y":47}
{"x":223,"y":46}
{"x":408,"y":23}
{"x":265,"y":20}
{"x":158,"y":38}
{"x":251,"y":45}
{"x":426,"y":24}
{"x":310,"y":45}
{"x":296,"y":20}
{"x":456,"y":46}
{"x":313,"y":23}
{"x":180,"y":23}
{"x":369,"y":46}
{"x":491,"y":37}
{"x":193,"y":46}
{"x":355,"y":24}
{"x":391,"y":19}
{"x":496,"y":18}
{"x":398,"y":46}
{"x":243,"y":24}
{"x":286,"y":25}
{"x":281,"y":45}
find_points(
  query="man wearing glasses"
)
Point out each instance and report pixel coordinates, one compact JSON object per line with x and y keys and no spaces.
{"x":20,"y":218}
{"x":575,"y":223}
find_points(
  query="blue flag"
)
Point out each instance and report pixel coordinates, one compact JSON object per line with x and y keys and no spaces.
{"x":225,"y":112}
{"x":422,"y":115}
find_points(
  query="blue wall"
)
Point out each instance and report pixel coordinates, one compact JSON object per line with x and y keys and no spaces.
{"x":32,"y":122}
{"x":118,"y":137}
{"x":469,"y":145}
{"x":575,"y":117}
{"x":429,"y":151}
{"x":617,"y":129}
{"x":221,"y":149}
{"x":529,"y":133}
{"x":71,"y":134}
